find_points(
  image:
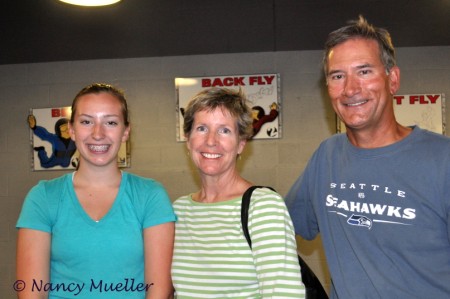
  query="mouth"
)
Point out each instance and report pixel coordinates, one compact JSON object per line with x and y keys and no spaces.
{"x":98,"y":148}
{"x":356,"y":103}
{"x":211,"y":156}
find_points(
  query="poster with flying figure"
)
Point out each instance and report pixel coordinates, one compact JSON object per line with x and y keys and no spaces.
{"x":51,"y":145}
{"x":261,"y":90}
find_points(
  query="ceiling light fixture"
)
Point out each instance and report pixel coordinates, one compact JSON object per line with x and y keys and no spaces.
{"x":90,"y":2}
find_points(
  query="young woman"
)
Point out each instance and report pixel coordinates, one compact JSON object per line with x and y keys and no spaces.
{"x":97,"y":232}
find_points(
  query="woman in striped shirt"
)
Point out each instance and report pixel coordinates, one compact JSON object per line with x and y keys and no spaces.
{"x":212,"y":258}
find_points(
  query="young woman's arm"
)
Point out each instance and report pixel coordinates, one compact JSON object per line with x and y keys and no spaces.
{"x":32,"y":263}
{"x":158,"y":246}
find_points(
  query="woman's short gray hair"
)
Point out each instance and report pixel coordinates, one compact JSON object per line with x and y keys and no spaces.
{"x":235,"y":102}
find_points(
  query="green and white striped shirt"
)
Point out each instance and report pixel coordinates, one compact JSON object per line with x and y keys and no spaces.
{"x":213,"y":260}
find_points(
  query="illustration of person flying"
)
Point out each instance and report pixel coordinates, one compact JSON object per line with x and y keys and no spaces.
{"x":63,"y":148}
{"x":260,"y":117}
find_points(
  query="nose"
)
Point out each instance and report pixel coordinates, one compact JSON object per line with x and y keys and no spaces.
{"x":211,"y":139}
{"x":351,"y":86}
{"x":97,"y":132}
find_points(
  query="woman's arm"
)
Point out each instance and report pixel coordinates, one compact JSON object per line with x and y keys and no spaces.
{"x":32,"y":262}
{"x":274,"y":247}
{"x":158,"y":246}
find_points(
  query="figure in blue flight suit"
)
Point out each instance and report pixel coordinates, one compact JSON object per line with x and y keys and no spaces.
{"x":63,"y":147}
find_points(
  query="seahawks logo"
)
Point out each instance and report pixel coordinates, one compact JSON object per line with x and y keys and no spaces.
{"x":360,"y":220}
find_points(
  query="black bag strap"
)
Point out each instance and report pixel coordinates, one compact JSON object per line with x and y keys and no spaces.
{"x":314,"y":289}
{"x":244,"y":210}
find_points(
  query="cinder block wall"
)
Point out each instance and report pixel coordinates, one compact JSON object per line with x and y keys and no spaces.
{"x":149,"y":84}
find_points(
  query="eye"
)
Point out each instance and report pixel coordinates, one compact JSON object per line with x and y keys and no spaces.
{"x":365,"y":71}
{"x":336,"y":77}
{"x":85,"y":122}
{"x":201,"y":128}
{"x":112,"y":123}
{"x":224,"y":131}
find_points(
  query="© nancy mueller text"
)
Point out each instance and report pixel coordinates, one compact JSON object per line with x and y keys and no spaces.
{"x":128,"y":285}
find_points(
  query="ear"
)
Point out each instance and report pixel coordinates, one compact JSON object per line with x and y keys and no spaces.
{"x":241,"y":146}
{"x":394,"y":79}
{"x":71,"y":131}
{"x":126,"y":133}
{"x":188,"y":145}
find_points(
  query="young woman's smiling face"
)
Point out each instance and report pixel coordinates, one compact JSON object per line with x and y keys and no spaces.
{"x":214,"y":142}
{"x":98,"y":128}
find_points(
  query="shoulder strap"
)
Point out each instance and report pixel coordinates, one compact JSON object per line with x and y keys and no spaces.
{"x":244,"y":211}
{"x":314,"y":289}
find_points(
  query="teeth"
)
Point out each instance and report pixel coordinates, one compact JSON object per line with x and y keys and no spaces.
{"x":356,"y":104}
{"x":211,"y":156}
{"x":98,"y":148}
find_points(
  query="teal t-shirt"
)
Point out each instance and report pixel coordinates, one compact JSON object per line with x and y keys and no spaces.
{"x":91,"y":259}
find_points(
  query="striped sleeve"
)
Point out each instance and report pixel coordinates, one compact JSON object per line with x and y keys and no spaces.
{"x":274,"y":246}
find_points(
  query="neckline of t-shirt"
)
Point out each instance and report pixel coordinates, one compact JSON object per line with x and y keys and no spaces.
{"x":84,"y":214}
{"x":218,"y":203}
{"x":371,"y":153}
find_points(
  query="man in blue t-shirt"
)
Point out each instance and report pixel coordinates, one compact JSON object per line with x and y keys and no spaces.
{"x":380,"y":194}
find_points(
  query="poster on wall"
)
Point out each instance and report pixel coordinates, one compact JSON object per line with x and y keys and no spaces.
{"x":262,"y":91}
{"x":51,"y":145}
{"x":424,"y":110}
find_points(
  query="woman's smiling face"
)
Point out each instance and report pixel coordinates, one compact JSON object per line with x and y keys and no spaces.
{"x":98,"y":128}
{"x":214,"y":142}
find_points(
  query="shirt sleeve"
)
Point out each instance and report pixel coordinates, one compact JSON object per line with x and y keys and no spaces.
{"x":447,"y":197}
{"x":299,"y":203}
{"x":35,"y":213}
{"x":274,"y":246}
{"x":43,"y":134}
{"x":158,"y":208}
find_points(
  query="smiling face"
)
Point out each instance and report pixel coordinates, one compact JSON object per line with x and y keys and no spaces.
{"x":359,"y":87}
{"x":98,"y":129}
{"x":214,"y":142}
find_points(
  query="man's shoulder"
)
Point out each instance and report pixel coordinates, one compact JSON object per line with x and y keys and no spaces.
{"x":434,"y":137}
{"x":333,"y":142}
